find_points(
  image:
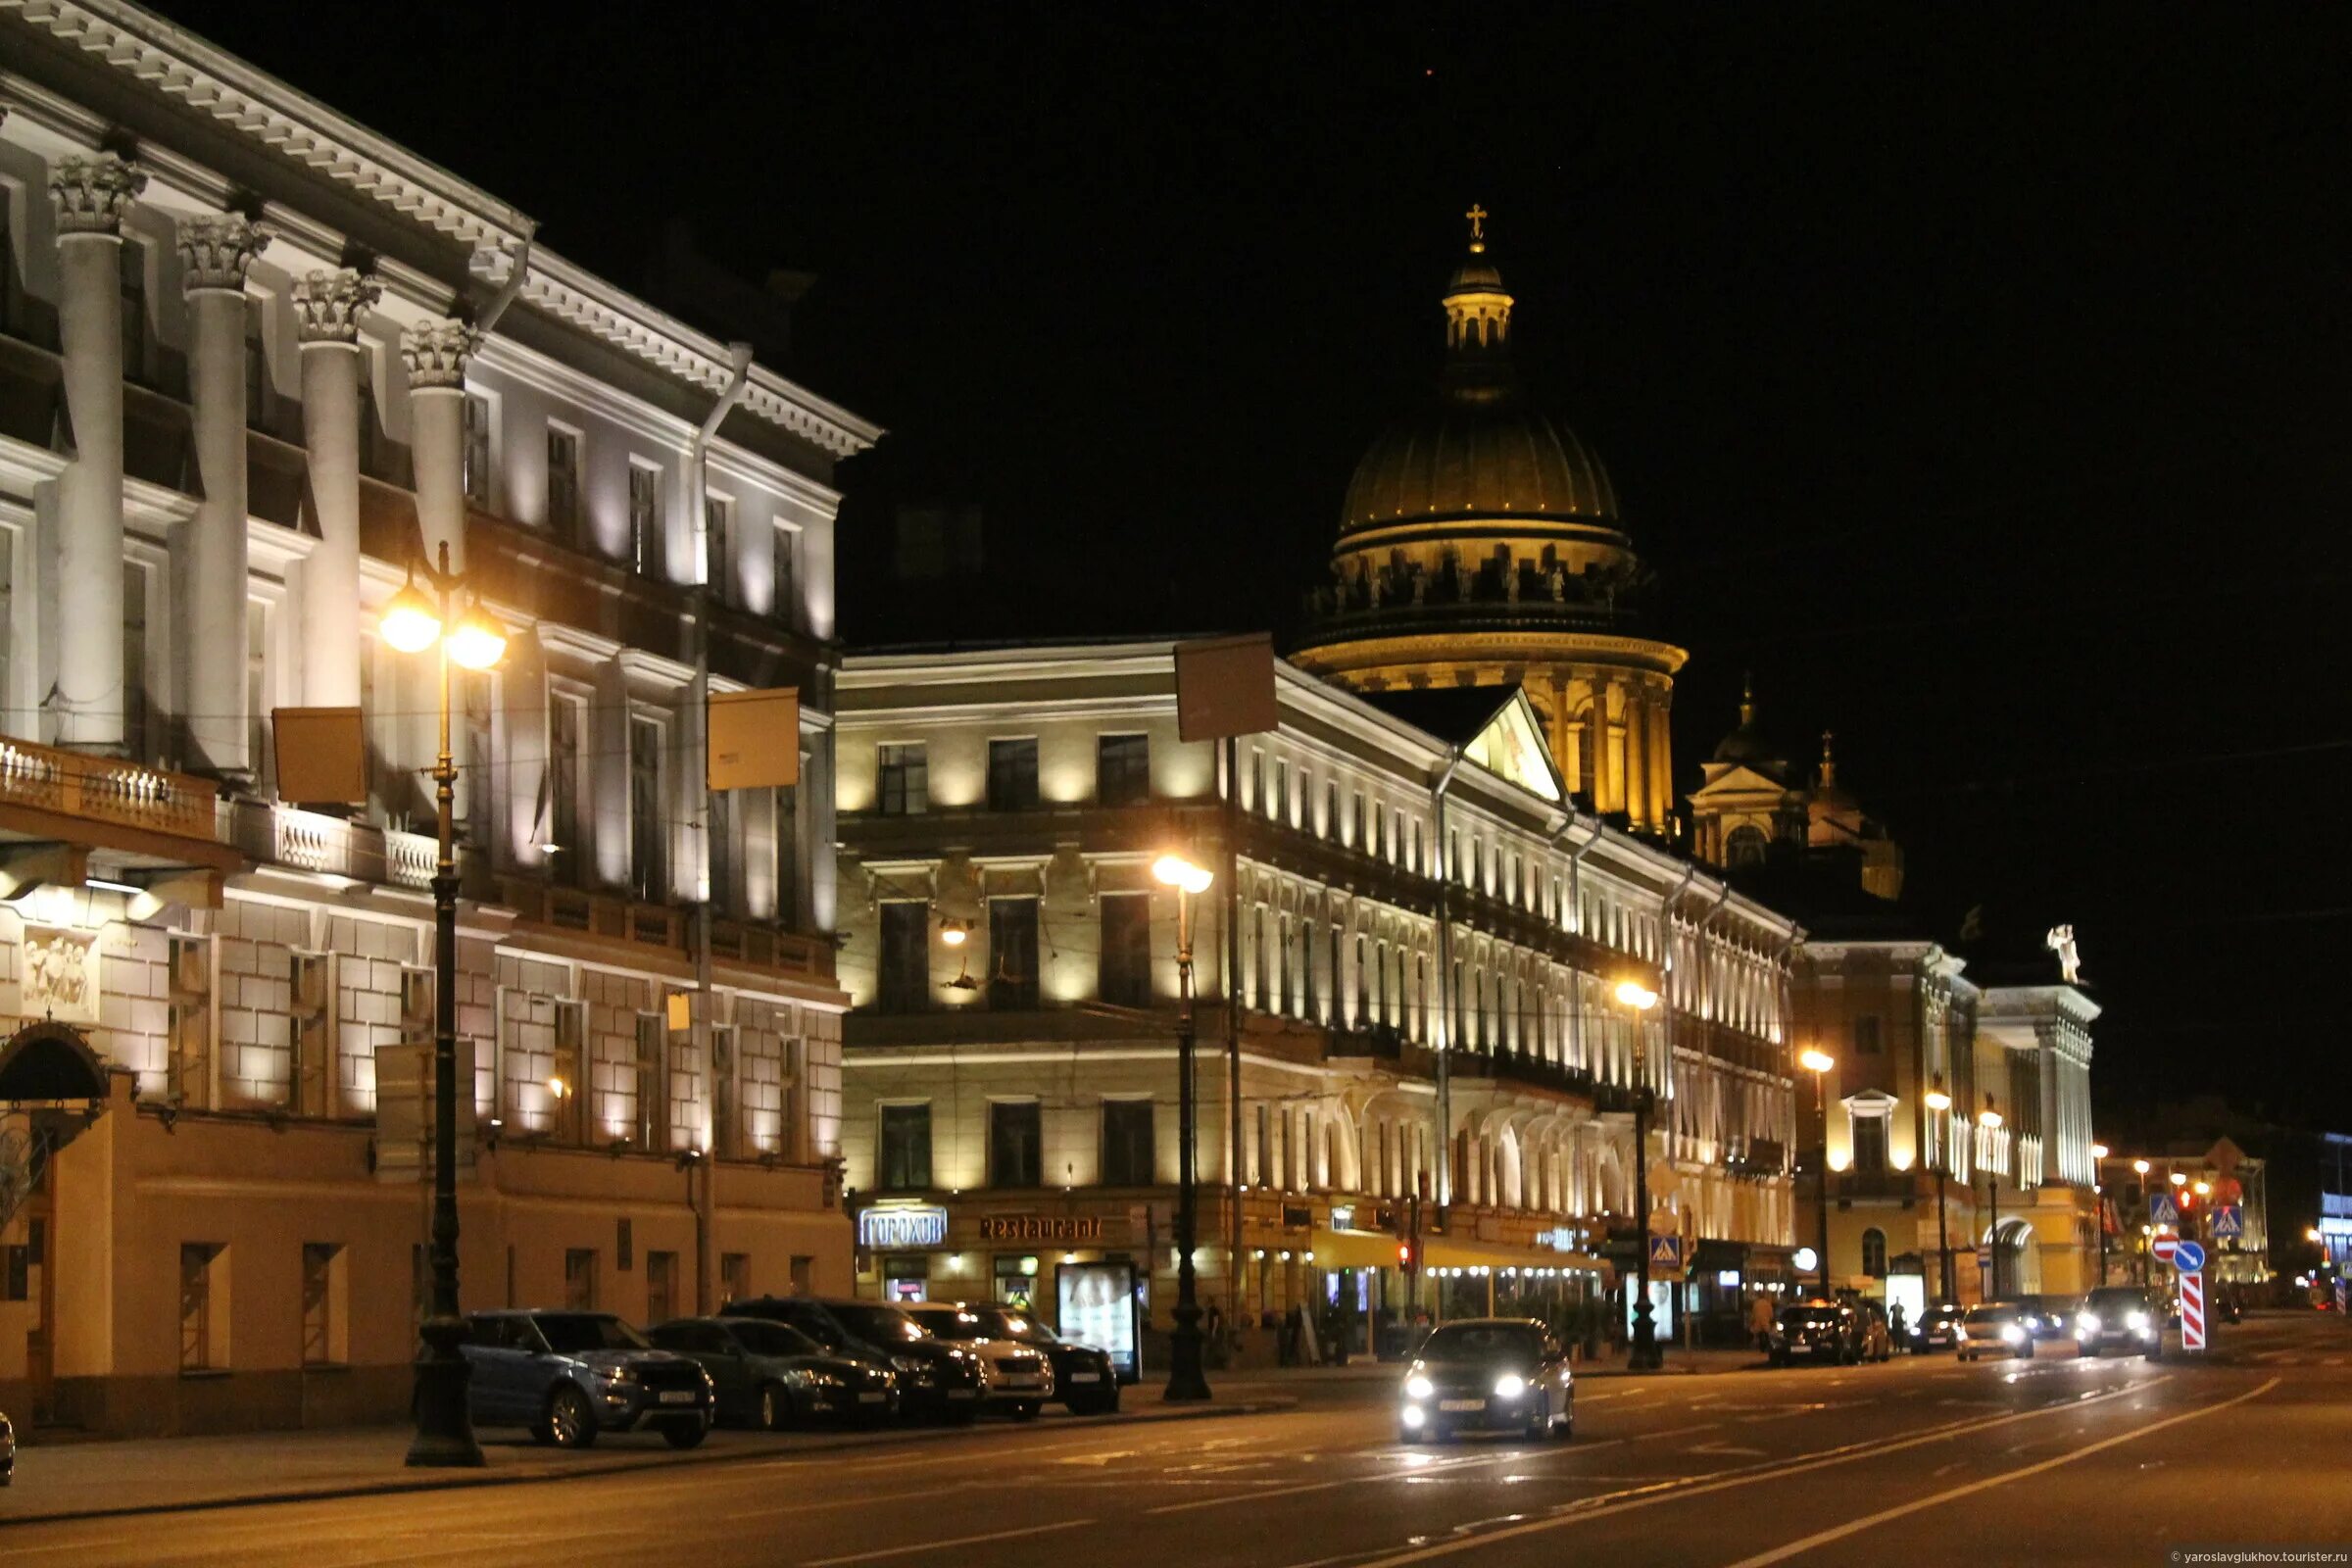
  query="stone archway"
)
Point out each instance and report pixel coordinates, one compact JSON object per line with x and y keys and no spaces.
{"x":2018,"y":1252}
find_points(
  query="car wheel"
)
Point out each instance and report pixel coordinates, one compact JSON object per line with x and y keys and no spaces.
{"x":1565,"y":1428}
{"x":1026,"y":1410}
{"x":2155,"y":1352}
{"x":775,"y":1407}
{"x":2026,"y":1351}
{"x":571,"y":1421}
{"x":685,"y":1434}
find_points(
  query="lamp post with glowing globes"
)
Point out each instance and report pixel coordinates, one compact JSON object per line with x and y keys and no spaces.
{"x":1818,"y":1063}
{"x":1936,"y":1100}
{"x":2140,"y":1168}
{"x":1991,"y":1120}
{"x":2098,"y":1199}
{"x":1186,"y":1378}
{"x":1646,"y":1356}
{"x":412,"y":624}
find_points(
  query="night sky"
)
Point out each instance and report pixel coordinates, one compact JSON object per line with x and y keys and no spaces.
{"x":1976,"y":377}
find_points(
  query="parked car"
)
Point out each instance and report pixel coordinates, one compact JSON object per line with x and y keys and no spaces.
{"x":1487,"y":1374}
{"x":8,"y":1452}
{"x":568,"y":1376}
{"x":1020,"y":1378}
{"x":2120,"y":1316}
{"x":1878,"y":1341}
{"x":2000,"y":1328}
{"x":1938,"y":1328}
{"x":1085,"y":1379}
{"x":2048,"y":1317}
{"x":772,"y":1376}
{"x":937,"y":1380}
{"x":1815,"y":1331}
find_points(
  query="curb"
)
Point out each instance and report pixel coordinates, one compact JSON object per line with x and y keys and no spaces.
{"x":461,"y":1479}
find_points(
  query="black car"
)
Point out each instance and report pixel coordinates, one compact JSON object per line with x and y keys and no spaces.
{"x":1938,"y":1328}
{"x":2047,"y":1317}
{"x":1084,"y":1377}
{"x":1816,"y":1331}
{"x":772,"y":1376}
{"x":1487,"y":1374}
{"x":2120,"y":1317}
{"x":937,"y":1380}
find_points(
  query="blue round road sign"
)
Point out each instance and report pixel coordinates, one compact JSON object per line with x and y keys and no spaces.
{"x":2189,"y":1258}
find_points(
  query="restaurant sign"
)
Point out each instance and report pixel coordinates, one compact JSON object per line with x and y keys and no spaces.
{"x":905,"y":1225}
{"x":1041,"y":1228}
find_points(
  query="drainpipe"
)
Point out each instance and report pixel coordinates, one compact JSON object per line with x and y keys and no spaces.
{"x":1576,"y":902}
{"x":510,"y":287}
{"x":1445,"y":1032}
{"x":705,"y":1263}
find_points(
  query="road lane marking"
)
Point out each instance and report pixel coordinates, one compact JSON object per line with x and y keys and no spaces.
{"x":942,"y":1545}
{"x":858,"y":1500}
{"x":1902,"y":1510}
{"x":1435,"y":1467}
{"x":1605,"y":1506}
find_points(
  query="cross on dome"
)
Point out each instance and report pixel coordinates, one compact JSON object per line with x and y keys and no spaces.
{"x":1478,"y":233}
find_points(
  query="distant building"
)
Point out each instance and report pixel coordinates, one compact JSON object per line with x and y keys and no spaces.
{"x":2335,"y":1199}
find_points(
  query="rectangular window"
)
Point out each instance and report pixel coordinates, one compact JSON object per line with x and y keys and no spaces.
{"x":904,"y":983}
{"x":645,"y":519}
{"x":325,"y":1305}
{"x":1331,"y":810}
{"x":371,"y":427}
{"x":803,"y":1274}
{"x":788,"y":594}
{"x":567,"y":719}
{"x":718,"y":546}
{"x":563,"y":483}
{"x":203,"y":1306}
{"x":579,"y":1279}
{"x":133,"y":263}
{"x":257,"y":371}
{"x":1278,"y":805}
{"x":661,"y":1287}
{"x":1126,"y":979}
{"x":905,"y":1163}
{"x":134,"y":662}
{"x":648,"y":824}
{"x":478,"y":450}
{"x":1870,"y":1144}
{"x":1122,"y":770}
{"x":1866,"y":1035}
{"x":734,"y":1277}
{"x":901,"y":781}
{"x":1015,"y":1157}
{"x":1012,"y":774}
{"x":1013,"y":954}
{"x":1127,"y":1143}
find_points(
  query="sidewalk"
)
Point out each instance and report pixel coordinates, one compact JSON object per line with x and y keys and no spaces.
{"x":162,"y":1475}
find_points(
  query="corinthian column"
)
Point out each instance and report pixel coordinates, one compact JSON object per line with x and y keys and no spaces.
{"x":1661,"y":754}
{"x":327,"y":311}
{"x":215,"y":252}
{"x":91,"y":196}
{"x":436,"y":352}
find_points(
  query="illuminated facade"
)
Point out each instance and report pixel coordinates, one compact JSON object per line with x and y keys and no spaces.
{"x":1480,"y":545}
{"x":1011,"y":1053}
{"x":244,"y":380}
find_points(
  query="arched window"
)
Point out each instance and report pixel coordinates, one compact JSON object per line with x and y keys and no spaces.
{"x":1874,"y":1253}
{"x":1746,"y":846}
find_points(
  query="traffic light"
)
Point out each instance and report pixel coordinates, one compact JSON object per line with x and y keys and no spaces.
{"x":1404,"y":1256}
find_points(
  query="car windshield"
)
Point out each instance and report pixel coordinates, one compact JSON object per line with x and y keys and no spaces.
{"x":771,"y":1339}
{"x":2115,"y":1299}
{"x":1992,"y":1314}
{"x":1483,"y":1342}
{"x":570,"y":1333}
{"x":952,"y":1323}
{"x":1004,"y":1325}
{"x":1808,"y":1316}
{"x":880,"y":1325}
{"x":1944,"y":1312}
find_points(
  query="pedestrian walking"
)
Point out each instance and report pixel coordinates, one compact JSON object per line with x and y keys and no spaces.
{"x":1894,"y":1328}
{"x":1759,"y":1321}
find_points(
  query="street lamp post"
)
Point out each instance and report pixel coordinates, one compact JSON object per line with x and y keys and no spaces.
{"x":1940,"y":1103}
{"x":2141,"y":1168}
{"x":1186,"y":1379}
{"x":1818,"y":1063}
{"x":2099,"y":1199}
{"x":1646,"y":1356}
{"x":1991,"y":1120}
{"x":412,"y":622}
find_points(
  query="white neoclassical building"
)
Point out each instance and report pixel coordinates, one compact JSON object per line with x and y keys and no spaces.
{"x":1408,"y":966}
{"x":255,"y":362}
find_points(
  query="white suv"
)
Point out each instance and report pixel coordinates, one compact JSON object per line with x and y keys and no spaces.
{"x":1018,"y":1378}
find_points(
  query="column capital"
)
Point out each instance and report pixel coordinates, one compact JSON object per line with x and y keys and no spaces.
{"x":217,"y":251}
{"x":328,"y":305}
{"x":435,"y":351}
{"x":93,"y":193}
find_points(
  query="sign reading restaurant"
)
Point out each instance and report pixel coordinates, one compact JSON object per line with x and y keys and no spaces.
{"x":902,"y":1227}
{"x":1040,"y":1228}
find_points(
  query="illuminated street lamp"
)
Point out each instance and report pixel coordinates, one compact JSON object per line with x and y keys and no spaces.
{"x":2098,"y":1195}
{"x":1991,"y":1120}
{"x":412,"y":622}
{"x":1936,"y":1100}
{"x":1186,"y":1378}
{"x":1646,"y":1356}
{"x":1818,"y":1063}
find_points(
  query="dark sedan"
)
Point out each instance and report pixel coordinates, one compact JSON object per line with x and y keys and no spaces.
{"x":772,"y":1376}
{"x":937,"y":1380}
{"x":1084,"y":1377}
{"x":1816,"y":1331}
{"x":2120,"y":1317}
{"x":1487,"y":1374}
{"x":1938,"y":1328}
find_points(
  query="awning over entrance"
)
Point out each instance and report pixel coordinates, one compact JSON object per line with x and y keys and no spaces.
{"x":1461,"y":1251}
{"x":1353,"y":1249}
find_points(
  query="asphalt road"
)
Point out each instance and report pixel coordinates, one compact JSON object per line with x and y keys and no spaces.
{"x":1920,"y":1461}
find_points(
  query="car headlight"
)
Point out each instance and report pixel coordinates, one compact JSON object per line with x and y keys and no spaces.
{"x":2087,"y":1323}
{"x":912,"y":1366}
{"x":2136,"y":1321}
{"x":1418,"y":1387}
{"x":1412,"y":1415}
{"x":2011,"y":1334}
{"x":1509,"y":1386}
{"x":619,"y":1374}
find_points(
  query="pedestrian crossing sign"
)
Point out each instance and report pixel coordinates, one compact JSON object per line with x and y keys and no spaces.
{"x":2229,"y":1223}
{"x":2161,"y":1210}
{"x":1666,"y":1251}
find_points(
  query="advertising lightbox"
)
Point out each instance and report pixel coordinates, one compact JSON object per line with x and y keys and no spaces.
{"x":1098,"y":1307}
